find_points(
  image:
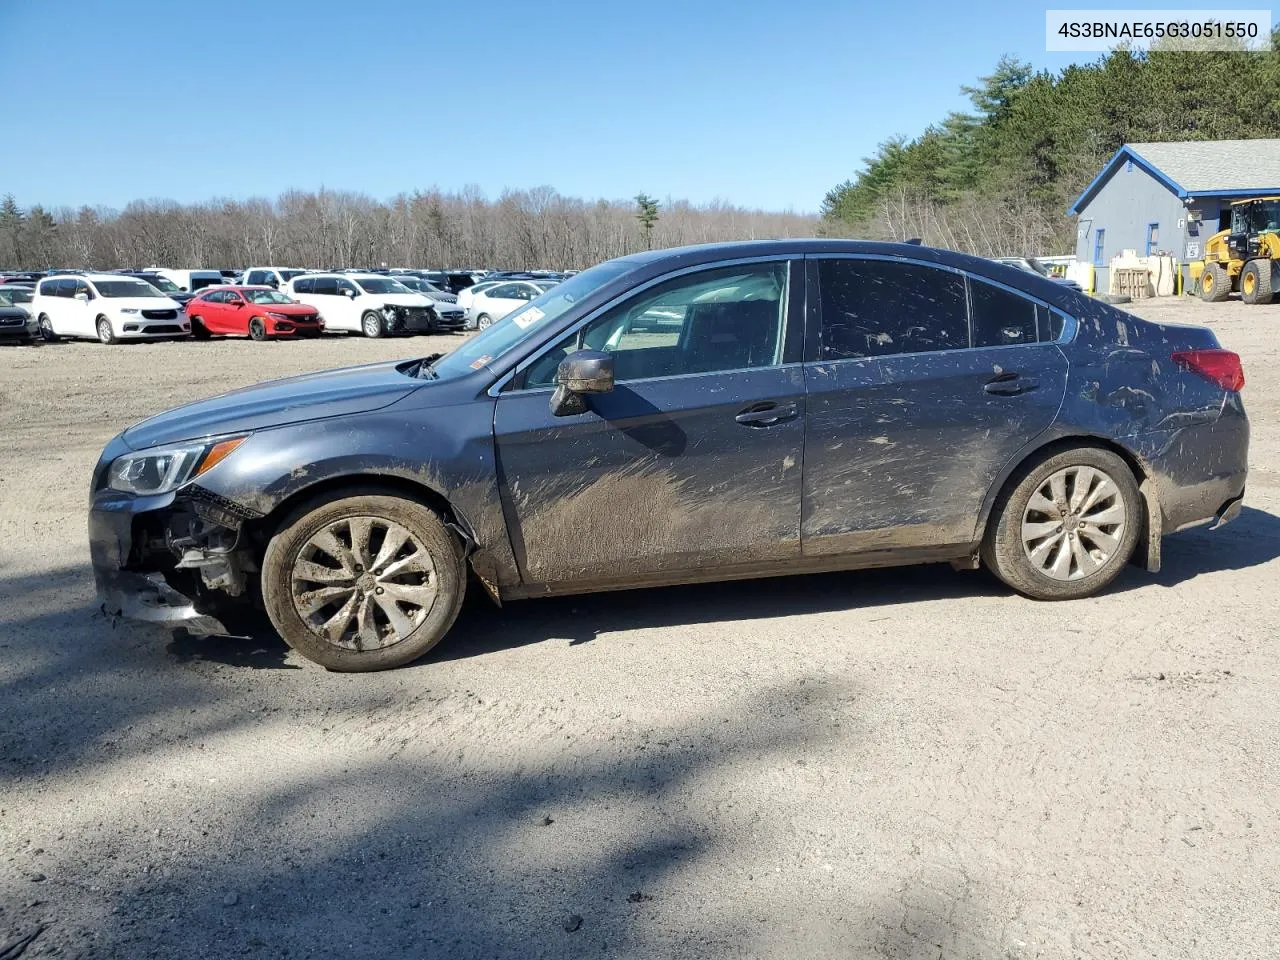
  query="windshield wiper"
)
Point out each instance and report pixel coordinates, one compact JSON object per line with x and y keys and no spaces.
{"x":425,"y":371}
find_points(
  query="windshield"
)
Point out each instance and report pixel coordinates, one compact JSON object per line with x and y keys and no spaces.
{"x":266,"y":296}
{"x":287,"y":275}
{"x":126,"y":288}
{"x":162,"y":284}
{"x":492,"y":343}
{"x":382,"y":285}
{"x":414,"y":283}
{"x":14,"y":296}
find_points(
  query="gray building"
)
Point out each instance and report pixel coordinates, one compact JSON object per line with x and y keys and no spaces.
{"x":1169,"y":198}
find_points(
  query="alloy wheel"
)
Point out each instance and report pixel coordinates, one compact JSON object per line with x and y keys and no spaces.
{"x":363,"y":583}
{"x":104,"y":330}
{"x":1074,"y":523}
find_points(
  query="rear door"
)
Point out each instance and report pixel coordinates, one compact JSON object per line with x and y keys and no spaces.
{"x":913,"y":415}
{"x":692,"y":463}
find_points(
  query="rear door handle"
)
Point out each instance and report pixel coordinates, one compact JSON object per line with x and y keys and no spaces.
{"x":766,"y":414}
{"x":1010,"y":385}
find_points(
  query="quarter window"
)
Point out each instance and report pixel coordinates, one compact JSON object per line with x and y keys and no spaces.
{"x":730,"y":318}
{"x":326,"y":286}
{"x":876,"y":308}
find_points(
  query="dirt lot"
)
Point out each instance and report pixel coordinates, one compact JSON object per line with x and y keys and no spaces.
{"x":902,"y":763}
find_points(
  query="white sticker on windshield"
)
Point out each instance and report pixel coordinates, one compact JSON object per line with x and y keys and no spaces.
{"x":528,"y":318}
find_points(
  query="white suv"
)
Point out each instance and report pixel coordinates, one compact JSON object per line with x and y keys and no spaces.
{"x":107,"y":306}
{"x":367,"y":303}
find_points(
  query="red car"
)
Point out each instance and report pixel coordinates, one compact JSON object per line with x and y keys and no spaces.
{"x":257,"y":312}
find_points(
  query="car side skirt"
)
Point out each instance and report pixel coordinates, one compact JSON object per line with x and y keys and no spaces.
{"x":960,"y":555}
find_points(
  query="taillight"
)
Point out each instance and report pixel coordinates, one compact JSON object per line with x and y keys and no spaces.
{"x":1221,"y":366}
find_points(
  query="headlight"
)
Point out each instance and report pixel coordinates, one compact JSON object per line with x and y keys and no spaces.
{"x":128,"y":309}
{"x":162,"y":469}
{"x":277,"y":316}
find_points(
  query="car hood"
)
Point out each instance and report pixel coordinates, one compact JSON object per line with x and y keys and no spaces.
{"x":142,"y":303}
{"x":401,"y":299}
{"x":330,"y":393}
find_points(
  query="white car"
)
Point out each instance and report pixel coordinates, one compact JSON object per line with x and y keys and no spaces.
{"x":270,"y":276}
{"x":107,"y":307}
{"x":367,"y":303}
{"x":490,"y":305}
{"x":190,"y":281}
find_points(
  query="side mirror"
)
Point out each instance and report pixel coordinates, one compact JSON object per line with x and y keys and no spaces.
{"x":350,"y":293}
{"x":579,"y":374}
{"x":82,"y":296}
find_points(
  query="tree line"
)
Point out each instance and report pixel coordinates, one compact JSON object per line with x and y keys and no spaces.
{"x":522,"y":229}
{"x":997,"y":180}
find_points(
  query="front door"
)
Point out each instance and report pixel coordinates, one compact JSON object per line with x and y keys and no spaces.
{"x":692,"y":462}
{"x":912,"y":415}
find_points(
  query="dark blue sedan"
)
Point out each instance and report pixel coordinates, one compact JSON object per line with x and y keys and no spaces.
{"x":705,"y":413}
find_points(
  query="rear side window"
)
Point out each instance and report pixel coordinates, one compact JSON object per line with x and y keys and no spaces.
{"x":306,"y":285}
{"x":66,"y":288}
{"x":48,"y":288}
{"x":256,"y":277}
{"x":325,"y":286}
{"x":876,"y":308}
{"x":1003,"y":318}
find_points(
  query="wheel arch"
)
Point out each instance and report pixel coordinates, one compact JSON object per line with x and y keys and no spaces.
{"x":363,"y":483}
{"x":1150,"y":535}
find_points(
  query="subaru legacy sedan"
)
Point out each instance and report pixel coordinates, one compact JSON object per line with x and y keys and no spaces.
{"x":704,"y":413}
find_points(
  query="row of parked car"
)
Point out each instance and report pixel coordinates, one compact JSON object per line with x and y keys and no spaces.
{"x":261,"y":303}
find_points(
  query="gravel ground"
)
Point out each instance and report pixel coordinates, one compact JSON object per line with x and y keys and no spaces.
{"x":909,"y":763}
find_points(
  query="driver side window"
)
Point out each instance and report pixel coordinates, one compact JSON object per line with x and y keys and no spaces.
{"x":728,"y":318}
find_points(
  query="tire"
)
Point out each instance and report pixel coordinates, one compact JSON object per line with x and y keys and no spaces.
{"x":1255,"y":282}
{"x":46,"y":329}
{"x":484,"y":322}
{"x":198,"y":330}
{"x":371,"y":324}
{"x":1091,"y":562}
{"x":105,"y":333}
{"x":257,"y":329}
{"x":439,"y":578}
{"x":1215,"y":283}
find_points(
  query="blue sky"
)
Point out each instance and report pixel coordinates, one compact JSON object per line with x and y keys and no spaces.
{"x":760,"y":104}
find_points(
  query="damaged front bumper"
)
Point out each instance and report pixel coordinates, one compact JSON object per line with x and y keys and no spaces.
{"x":162,"y":559}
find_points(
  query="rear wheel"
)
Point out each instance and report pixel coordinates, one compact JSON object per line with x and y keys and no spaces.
{"x":105,"y":333}
{"x":363,"y":582}
{"x":46,"y":329}
{"x":198,"y":330}
{"x":1215,"y":283}
{"x":371,"y":324}
{"x":484,"y":322}
{"x":1255,"y":282}
{"x":257,"y":329}
{"x":1065,"y":527}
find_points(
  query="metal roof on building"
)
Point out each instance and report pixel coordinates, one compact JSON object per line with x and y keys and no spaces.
{"x":1190,"y":168}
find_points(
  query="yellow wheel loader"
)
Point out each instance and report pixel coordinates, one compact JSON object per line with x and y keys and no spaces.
{"x":1246,"y":256}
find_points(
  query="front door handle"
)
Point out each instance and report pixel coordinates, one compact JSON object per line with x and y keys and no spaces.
{"x":1010,"y":385}
{"x":767,"y":413}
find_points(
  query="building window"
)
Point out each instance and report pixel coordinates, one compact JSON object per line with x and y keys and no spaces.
{"x":1153,"y":238}
{"x":1099,"y":236}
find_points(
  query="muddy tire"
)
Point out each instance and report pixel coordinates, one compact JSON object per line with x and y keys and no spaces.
{"x":360,"y":583}
{"x":1255,"y":282}
{"x":371,"y":324}
{"x":1215,"y":283}
{"x":257,"y":329}
{"x":1065,"y":526}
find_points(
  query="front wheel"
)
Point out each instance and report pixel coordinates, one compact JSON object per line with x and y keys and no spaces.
{"x":257,"y":329}
{"x":484,"y":322}
{"x":46,"y":329}
{"x":198,"y":330}
{"x":105,"y":333}
{"x":363,"y":582}
{"x":1067,"y":527}
{"x":371,"y":324}
{"x":1255,"y":282}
